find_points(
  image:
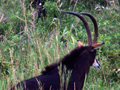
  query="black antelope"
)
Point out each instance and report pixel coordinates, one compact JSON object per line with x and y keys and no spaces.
{"x":36,"y":14}
{"x":78,"y":61}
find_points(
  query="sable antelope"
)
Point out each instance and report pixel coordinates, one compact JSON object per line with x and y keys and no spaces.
{"x":78,"y":61}
{"x":39,"y":9}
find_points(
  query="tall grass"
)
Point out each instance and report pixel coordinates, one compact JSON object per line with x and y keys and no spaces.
{"x":25,"y":51}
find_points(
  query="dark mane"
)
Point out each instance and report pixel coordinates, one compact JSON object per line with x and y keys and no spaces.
{"x":68,"y":60}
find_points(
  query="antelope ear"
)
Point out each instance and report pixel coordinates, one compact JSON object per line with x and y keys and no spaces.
{"x":80,"y":43}
{"x":97,"y":45}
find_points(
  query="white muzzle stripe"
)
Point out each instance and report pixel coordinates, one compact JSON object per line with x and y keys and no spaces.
{"x":96,"y":64}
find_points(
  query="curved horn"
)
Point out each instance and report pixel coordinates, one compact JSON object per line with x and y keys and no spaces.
{"x":85,"y":23}
{"x":95,"y":26}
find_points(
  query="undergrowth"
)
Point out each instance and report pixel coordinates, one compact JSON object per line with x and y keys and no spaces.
{"x":27,"y":47}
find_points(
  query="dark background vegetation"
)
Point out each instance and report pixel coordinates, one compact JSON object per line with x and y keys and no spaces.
{"x":26,"y":47}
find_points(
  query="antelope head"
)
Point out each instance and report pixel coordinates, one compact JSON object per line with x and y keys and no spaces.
{"x":92,"y":44}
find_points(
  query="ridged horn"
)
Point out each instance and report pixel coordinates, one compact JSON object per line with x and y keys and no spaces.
{"x":85,"y":23}
{"x":95,"y":26}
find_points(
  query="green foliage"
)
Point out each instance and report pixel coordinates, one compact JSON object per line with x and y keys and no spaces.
{"x":51,"y":8}
{"x":25,"y":50}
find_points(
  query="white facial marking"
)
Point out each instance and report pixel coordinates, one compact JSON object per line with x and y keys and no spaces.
{"x":96,"y":64}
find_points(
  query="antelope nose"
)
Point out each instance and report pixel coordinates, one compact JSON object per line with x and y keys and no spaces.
{"x":98,"y":67}
{"x":96,"y":64}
